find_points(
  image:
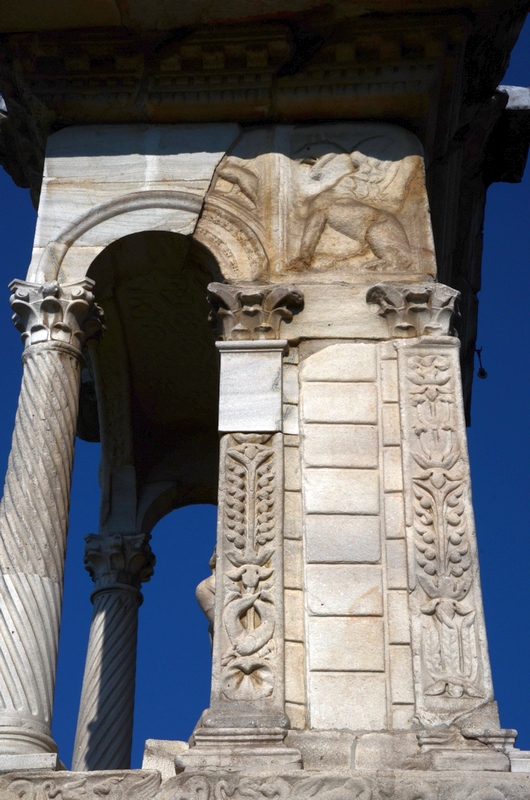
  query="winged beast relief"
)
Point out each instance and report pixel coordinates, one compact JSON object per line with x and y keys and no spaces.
{"x":345,"y":202}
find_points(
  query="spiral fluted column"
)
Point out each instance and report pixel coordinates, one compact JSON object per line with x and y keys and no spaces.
{"x":118,"y":565}
{"x":54,"y":321}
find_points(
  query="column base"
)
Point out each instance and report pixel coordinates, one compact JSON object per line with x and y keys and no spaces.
{"x":240,"y":748}
{"x":18,"y":762}
{"x":24,"y":738}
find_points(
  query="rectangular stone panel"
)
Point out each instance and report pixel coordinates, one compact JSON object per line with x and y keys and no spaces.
{"x":391,"y":424}
{"x":250,"y":394}
{"x":292,"y":526}
{"x":290,"y":383}
{"x":389,"y":382}
{"x":346,"y":643}
{"x":341,"y":362}
{"x":290,"y":419}
{"x":341,"y":491}
{"x":347,"y":700}
{"x":401,"y":674}
{"x":398,"y":617}
{"x":342,"y":538}
{"x":393,"y":472}
{"x":294,"y":672}
{"x":339,"y":402}
{"x":291,"y":460}
{"x":396,"y":560}
{"x":294,"y":615}
{"x":340,"y":446}
{"x":394,"y":516}
{"x":344,"y":590}
{"x":292,"y":564}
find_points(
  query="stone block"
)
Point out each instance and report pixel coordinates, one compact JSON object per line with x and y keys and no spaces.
{"x":387,"y":350}
{"x":250,"y":394}
{"x":294,"y":672}
{"x":291,"y":390}
{"x":160,"y":754}
{"x":297,"y":714}
{"x":292,"y":515}
{"x":403,"y":717}
{"x":401,"y":684}
{"x":398,"y":617}
{"x":291,"y":461}
{"x":391,"y":423}
{"x":350,"y":700}
{"x":394,"y":516}
{"x":339,"y":402}
{"x":340,"y":446}
{"x":11,"y":762}
{"x":294,"y":615}
{"x":344,"y":590}
{"x":396,"y":564}
{"x":392,"y":469}
{"x":324,"y":750}
{"x":291,"y":423}
{"x":342,"y":538}
{"x":346,"y":643}
{"x":341,"y":491}
{"x":375,"y":751}
{"x":292,"y":564}
{"x":389,"y":382}
{"x":341,"y":362}
{"x":519,"y":760}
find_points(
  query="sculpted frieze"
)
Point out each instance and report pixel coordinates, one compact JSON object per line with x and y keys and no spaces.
{"x":341,"y":201}
{"x":118,"y":785}
{"x":382,"y":785}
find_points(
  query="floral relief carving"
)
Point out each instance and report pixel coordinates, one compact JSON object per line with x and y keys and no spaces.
{"x":133,"y":785}
{"x":249,"y":611}
{"x":451,"y":661}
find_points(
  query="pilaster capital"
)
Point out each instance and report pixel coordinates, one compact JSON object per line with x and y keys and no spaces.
{"x":252,"y":312}
{"x":119,"y":561}
{"x":53,"y":312}
{"x":414,"y":310}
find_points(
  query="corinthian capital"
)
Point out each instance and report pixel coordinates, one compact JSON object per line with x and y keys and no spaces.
{"x":53,"y":312}
{"x":254,"y":312}
{"x":119,"y":561}
{"x":415,"y":309}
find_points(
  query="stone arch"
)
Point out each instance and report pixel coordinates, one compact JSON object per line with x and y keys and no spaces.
{"x":156,"y":376}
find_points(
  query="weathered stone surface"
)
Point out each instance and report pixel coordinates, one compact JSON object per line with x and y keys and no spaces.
{"x":362,"y":785}
{"x":340,"y":538}
{"x":160,"y":754}
{"x":344,"y":589}
{"x":112,"y":785}
{"x":352,"y":700}
{"x":346,"y":643}
{"x":352,"y":202}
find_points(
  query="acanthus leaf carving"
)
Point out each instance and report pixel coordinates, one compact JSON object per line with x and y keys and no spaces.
{"x":119,"y":560}
{"x":412,"y":310}
{"x":253,"y":312}
{"x":54,"y":312}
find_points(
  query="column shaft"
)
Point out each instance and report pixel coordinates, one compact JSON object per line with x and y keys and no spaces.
{"x":34,"y":509}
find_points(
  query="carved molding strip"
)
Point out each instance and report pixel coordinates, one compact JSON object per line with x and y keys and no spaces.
{"x":415,"y":309}
{"x":254,"y":312}
{"x":449,"y":643}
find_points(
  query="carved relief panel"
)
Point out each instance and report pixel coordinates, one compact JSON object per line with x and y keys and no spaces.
{"x":451,"y":663}
{"x":342,"y":201}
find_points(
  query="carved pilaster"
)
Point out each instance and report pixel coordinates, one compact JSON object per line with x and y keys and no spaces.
{"x":414,"y":309}
{"x":254,"y":312}
{"x":54,"y":321}
{"x":451,"y":664}
{"x":118,"y":566}
{"x":246,"y":721}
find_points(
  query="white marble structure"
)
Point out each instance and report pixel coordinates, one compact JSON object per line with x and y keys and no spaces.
{"x":349,"y":648}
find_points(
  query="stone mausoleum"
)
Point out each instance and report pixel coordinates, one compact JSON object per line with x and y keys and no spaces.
{"x":254,"y":280}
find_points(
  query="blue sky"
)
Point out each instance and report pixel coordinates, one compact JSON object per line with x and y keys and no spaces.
{"x":174,"y":653}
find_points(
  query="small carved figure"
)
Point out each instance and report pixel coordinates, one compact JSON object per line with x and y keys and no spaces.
{"x":339,"y":207}
{"x":205,"y":594}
